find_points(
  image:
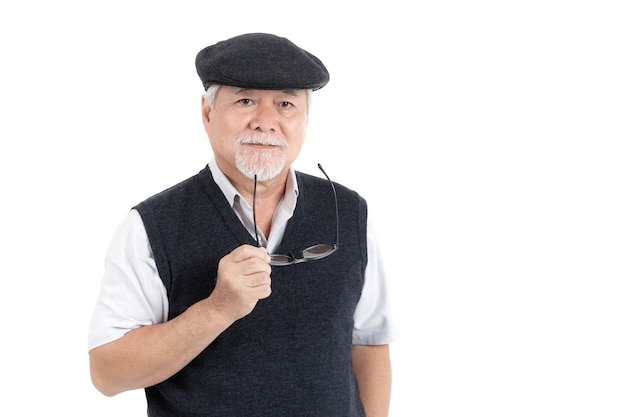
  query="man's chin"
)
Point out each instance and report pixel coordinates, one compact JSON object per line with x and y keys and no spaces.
{"x":262,"y":176}
{"x":263,"y":173}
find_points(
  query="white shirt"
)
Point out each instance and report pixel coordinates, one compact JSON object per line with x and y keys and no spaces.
{"x":132,"y":294}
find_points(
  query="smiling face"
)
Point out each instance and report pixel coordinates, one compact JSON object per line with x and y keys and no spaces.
{"x":256,"y":131}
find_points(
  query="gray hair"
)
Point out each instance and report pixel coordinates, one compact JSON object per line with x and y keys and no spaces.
{"x":211,"y":92}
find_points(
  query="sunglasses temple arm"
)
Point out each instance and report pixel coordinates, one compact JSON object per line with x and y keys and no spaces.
{"x":256,"y":233}
{"x":336,"y":205}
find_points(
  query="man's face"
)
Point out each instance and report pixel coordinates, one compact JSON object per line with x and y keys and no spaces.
{"x":256,"y":131}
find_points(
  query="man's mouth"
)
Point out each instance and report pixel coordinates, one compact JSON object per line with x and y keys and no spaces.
{"x":262,"y":142}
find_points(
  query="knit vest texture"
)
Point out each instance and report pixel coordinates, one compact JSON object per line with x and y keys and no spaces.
{"x":290,"y":357}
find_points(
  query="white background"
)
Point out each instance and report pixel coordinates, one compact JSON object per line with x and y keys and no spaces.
{"x":487,"y":136}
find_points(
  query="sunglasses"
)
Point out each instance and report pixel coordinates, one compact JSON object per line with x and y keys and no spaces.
{"x":312,"y":253}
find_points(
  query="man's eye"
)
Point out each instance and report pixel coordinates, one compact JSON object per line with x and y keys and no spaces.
{"x":245,"y":101}
{"x":285,"y":104}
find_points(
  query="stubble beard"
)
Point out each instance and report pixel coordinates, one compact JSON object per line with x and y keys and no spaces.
{"x":266,"y":165}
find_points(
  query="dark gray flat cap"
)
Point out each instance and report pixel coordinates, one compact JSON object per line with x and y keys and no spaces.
{"x":260,"y":61}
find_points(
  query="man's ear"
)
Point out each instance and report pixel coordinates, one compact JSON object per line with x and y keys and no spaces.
{"x":206,"y":109}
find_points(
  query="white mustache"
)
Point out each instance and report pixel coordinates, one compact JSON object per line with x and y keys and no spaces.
{"x":262,"y":139}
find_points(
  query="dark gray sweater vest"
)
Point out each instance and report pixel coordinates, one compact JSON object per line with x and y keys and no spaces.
{"x":291,"y":355}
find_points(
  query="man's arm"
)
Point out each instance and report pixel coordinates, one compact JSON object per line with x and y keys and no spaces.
{"x":372,"y":367}
{"x":148,"y":355}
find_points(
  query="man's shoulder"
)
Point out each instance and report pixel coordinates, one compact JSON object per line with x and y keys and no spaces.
{"x":178,"y":193}
{"x":309,"y":181}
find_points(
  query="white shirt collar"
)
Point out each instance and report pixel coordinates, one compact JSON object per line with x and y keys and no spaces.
{"x":230,"y":192}
{"x":283,"y":212}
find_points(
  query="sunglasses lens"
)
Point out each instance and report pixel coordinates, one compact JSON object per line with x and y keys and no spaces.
{"x":281,"y":259}
{"x":318,"y":251}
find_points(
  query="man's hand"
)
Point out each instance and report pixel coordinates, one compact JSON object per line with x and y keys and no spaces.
{"x":243,"y":278}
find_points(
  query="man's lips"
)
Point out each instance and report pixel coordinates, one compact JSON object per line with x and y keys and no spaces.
{"x":262,"y":145}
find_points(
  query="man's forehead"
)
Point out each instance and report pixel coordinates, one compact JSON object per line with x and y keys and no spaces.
{"x":290,"y":91}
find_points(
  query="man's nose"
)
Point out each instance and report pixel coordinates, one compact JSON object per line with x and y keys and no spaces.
{"x":265,"y":118}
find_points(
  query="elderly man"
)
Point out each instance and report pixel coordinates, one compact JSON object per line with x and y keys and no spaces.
{"x":249,"y":289}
